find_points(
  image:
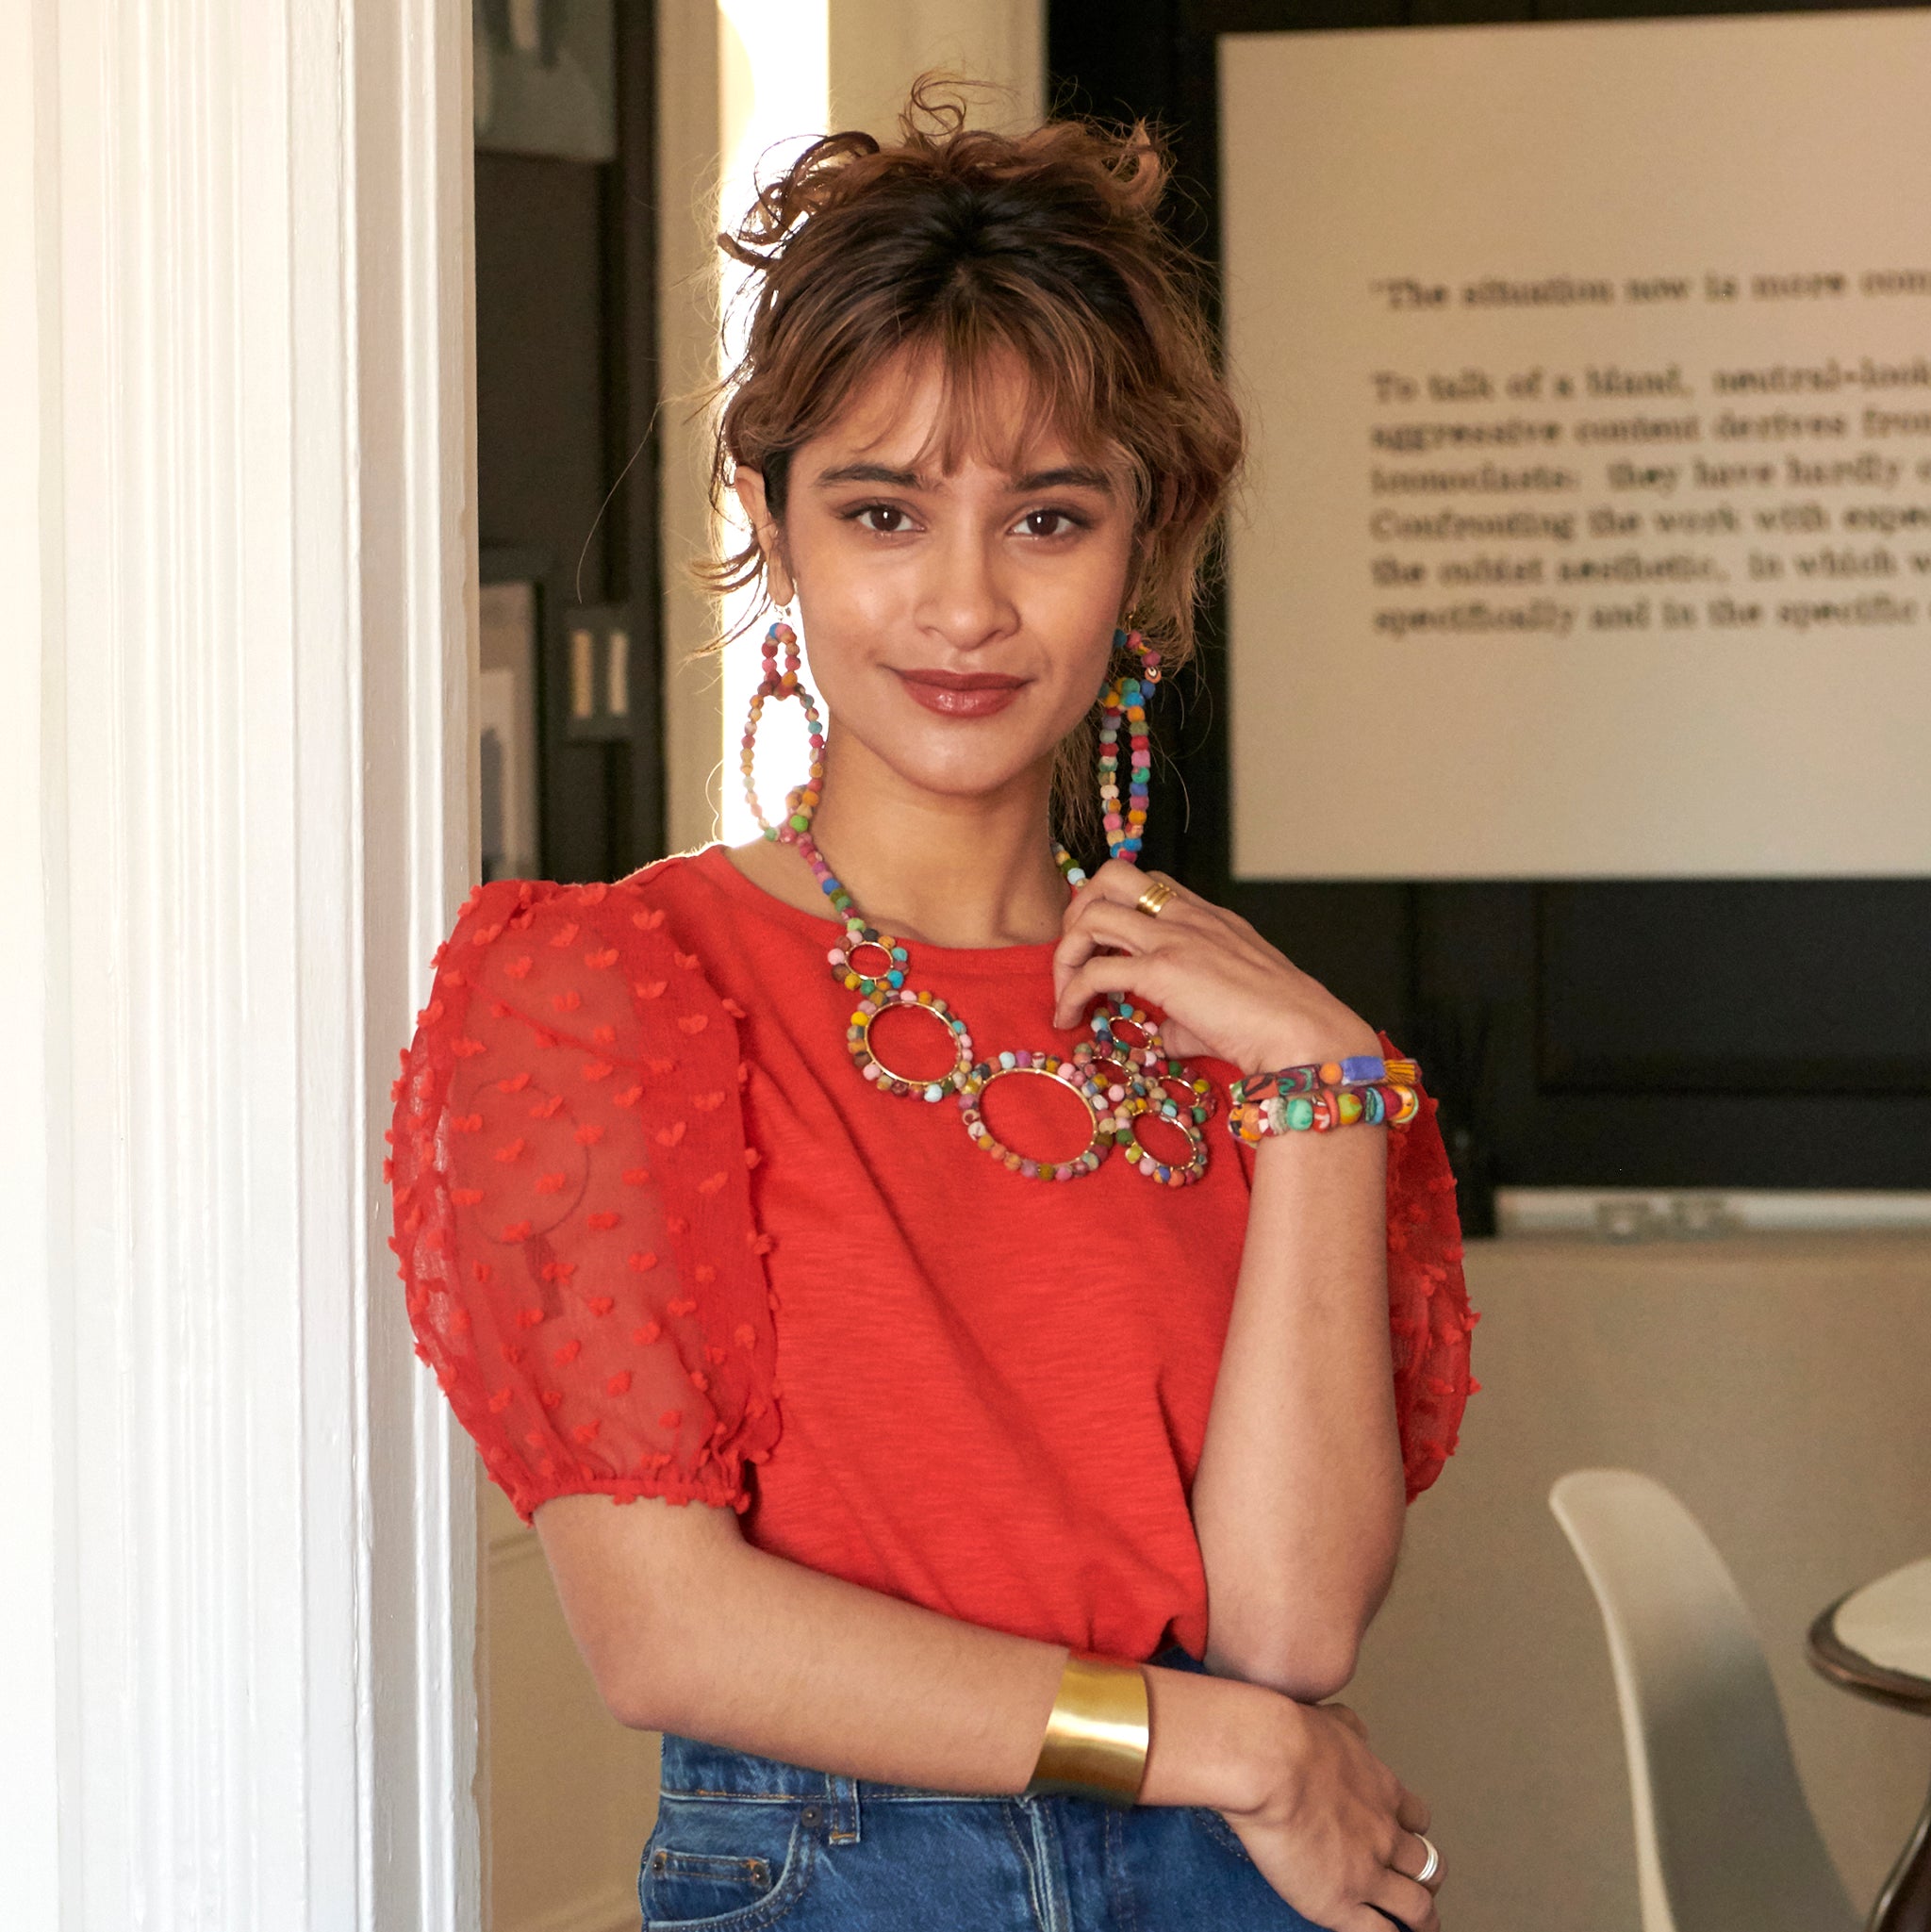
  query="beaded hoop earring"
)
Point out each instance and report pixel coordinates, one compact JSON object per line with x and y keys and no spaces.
{"x":784,"y":683}
{"x":1123,"y":705}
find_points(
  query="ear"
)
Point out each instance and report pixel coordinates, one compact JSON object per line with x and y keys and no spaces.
{"x":750,"y":486}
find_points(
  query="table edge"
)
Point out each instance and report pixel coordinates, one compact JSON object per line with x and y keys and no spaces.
{"x":1850,"y":1670}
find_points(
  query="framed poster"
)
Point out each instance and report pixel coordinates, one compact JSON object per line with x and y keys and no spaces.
{"x":1589,"y":531}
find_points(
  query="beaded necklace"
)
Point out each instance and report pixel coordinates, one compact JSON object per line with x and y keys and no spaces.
{"x":1123,"y":1072}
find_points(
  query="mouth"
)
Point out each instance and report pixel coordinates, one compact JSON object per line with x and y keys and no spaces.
{"x":962,"y":693}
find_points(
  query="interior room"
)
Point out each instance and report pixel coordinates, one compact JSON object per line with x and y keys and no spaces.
{"x":1559,"y":705}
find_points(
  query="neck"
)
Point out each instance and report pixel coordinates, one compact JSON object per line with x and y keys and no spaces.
{"x":949,"y":870}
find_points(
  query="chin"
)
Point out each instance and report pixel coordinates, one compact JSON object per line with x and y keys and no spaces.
{"x":959,"y":763}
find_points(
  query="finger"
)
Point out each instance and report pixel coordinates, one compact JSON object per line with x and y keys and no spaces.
{"x":1194,"y":913}
{"x":1352,"y":1719}
{"x":1412,"y":1809}
{"x":1410,"y":1858}
{"x":1109,"y":927}
{"x":1137,"y":976}
{"x":1405,"y":1901}
{"x":1123,"y":884}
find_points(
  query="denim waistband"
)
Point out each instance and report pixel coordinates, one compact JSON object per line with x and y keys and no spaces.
{"x":695,"y":1770}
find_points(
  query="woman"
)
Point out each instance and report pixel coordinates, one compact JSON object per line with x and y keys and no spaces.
{"x":991,"y":1545}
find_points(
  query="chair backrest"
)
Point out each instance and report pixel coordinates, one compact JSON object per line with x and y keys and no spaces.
{"x":1724,"y":1841}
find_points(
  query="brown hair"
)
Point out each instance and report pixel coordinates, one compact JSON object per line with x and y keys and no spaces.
{"x":977,"y":247}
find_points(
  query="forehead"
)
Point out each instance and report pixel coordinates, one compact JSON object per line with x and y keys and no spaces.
{"x":918,"y":411}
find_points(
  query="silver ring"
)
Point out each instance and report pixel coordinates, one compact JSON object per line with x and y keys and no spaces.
{"x":1434,"y":1863}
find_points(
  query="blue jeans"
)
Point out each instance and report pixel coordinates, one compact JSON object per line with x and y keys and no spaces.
{"x":742,"y":1843}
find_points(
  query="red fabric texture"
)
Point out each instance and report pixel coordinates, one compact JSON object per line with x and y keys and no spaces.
{"x":658,"y":1238}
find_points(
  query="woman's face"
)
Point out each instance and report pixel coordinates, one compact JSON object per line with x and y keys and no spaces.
{"x":959,"y":624}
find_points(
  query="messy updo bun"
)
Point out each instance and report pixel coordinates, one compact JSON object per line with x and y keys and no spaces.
{"x":975,"y":248}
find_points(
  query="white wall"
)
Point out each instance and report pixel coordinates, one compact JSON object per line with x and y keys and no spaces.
{"x":1781,"y":1386}
{"x":236,"y":508}
{"x":880,"y":46}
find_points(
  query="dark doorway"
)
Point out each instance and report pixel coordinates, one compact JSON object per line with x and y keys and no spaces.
{"x":566,"y":379}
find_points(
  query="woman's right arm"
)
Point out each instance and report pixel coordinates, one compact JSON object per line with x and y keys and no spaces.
{"x":687,"y":1627}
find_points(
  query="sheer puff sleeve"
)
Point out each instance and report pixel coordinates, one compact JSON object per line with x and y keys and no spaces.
{"x":1428,"y":1316}
{"x":573,"y":1204}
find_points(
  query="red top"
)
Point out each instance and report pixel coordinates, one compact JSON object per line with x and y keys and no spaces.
{"x":654,"y":1227}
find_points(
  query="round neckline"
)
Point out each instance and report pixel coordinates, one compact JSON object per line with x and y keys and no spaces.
{"x":713,"y":861}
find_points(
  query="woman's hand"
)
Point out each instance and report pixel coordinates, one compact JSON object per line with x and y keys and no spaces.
{"x":1223,"y":990}
{"x":1334,"y":1831}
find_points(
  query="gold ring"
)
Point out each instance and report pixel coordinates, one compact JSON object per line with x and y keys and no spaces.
{"x":1153,"y":898}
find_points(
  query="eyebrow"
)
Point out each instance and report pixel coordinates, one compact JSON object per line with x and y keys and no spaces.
{"x":1069,"y":476}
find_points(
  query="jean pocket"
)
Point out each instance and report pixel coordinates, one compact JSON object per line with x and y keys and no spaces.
{"x":722,"y":1864}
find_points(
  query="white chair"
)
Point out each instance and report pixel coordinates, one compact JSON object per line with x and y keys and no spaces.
{"x":1724,"y":1841}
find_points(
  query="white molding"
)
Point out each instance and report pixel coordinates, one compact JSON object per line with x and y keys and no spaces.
{"x":1636,"y":1214}
{"x":35,"y":1777}
{"x":689,"y":161}
{"x":251,"y":502}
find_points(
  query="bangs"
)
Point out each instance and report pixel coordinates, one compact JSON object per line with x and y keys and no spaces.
{"x":1003,"y":395}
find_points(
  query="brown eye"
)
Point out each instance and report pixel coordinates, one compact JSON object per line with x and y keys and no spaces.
{"x":1047,"y":523}
{"x":884,"y":519}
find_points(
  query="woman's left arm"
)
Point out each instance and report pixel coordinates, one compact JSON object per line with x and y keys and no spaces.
{"x":1299,"y":1499}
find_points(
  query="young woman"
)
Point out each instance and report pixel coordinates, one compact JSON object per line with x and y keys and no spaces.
{"x":1013,"y":1464}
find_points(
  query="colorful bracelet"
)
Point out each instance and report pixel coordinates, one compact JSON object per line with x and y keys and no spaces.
{"x":1097,"y":1733}
{"x":1384,"y":1104}
{"x":1355,"y":1071}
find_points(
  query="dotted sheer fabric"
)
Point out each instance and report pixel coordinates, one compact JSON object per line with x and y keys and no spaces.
{"x":577,"y":1224}
{"x":572,"y":1213}
{"x":1429,"y":1321}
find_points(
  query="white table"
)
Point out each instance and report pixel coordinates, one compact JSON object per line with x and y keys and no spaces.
{"x":1878,"y":1643}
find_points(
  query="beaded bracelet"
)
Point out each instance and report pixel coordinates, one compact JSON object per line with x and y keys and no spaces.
{"x":1385,"y":1103}
{"x":1355,"y":1071}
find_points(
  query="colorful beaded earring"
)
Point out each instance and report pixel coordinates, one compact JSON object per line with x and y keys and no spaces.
{"x":783,"y":684}
{"x":1123,"y":707}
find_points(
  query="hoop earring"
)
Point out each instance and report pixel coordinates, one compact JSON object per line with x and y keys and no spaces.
{"x":801,"y":800}
{"x":1124,"y":701}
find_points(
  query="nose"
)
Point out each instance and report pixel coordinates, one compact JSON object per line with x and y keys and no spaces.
{"x":964,"y":600}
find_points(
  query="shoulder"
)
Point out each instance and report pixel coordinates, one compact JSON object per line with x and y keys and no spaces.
{"x":596,"y":963}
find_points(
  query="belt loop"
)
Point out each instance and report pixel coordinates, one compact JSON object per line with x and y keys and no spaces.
{"x":842,"y":1805}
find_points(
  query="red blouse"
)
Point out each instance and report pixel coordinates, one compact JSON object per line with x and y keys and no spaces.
{"x":654,"y":1227}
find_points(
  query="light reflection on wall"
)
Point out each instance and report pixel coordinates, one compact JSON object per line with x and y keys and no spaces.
{"x":774,"y":77}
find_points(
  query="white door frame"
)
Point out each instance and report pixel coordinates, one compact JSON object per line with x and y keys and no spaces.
{"x":237,"y":519}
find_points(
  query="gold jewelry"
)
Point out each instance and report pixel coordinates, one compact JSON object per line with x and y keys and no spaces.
{"x":1096,"y":1738}
{"x":1153,"y":898}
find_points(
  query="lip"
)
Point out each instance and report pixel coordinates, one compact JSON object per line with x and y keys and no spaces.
{"x":962,"y":693}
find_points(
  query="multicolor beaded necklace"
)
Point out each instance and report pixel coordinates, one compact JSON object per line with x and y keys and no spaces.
{"x":1122,"y":1073}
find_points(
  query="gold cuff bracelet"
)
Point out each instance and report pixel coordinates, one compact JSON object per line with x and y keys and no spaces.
{"x":1096,"y":1739}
